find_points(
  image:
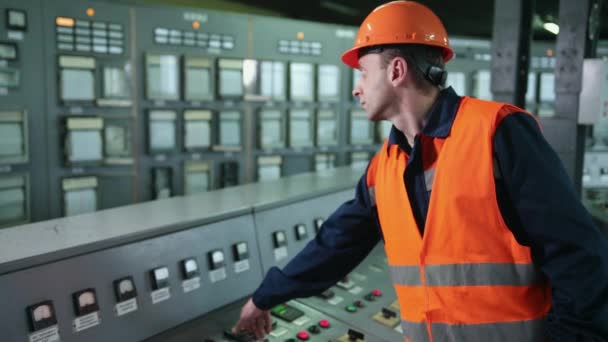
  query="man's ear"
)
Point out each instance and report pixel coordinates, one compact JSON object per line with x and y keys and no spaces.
{"x":397,"y":70}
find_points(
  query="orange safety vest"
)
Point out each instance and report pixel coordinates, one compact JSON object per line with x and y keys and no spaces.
{"x":467,"y":279}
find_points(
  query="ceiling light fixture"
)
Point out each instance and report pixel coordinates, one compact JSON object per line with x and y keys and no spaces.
{"x":551,"y":27}
{"x":339,"y":8}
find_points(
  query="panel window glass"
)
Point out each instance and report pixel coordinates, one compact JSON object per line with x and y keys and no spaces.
{"x":546,"y":94}
{"x":12,"y":200}
{"x":12,"y":142}
{"x":162,"y":81}
{"x":197,"y":178}
{"x":115,"y":83}
{"x":85,"y":145}
{"x":482,"y":85}
{"x":162,"y":183}
{"x":547,"y":87}
{"x":272,"y":80}
{"x":458,"y":81}
{"x":197,"y":182}
{"x":326,"y":128}
{"x":360,"y":128}
{"x":359,"y":160}
{"x":231,"y":78}
{"x":328,"y":82}
{"x":198,"y":79}
{"x":117,"y":139}
{"x":9,"y":78}
{"x":162,"y":130}
{"x":229,"y":171}
{"x":79,"y":195}
{"x":269,"y":168}
{"x":300,"y":128}
{"x":230,"y":128}
{"x":77,"y":78}
{"x":77,"y":85}
{"x":84,"y":139}
{"x":80,"y":201}
{"x":324,"y":162}
{"x":197,"y":132}
{"x":8,"y":51}
{"x":531,"y":91}
{"x":301,"y":81}
{"x":271,"y":129}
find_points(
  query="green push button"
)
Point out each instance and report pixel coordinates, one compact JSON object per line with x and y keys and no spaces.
{"x":351,"y":308}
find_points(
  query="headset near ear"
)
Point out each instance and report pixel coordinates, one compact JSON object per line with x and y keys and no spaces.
{"x":436,"y":75}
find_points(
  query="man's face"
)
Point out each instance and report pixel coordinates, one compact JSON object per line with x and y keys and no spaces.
{"x":374,"y":91}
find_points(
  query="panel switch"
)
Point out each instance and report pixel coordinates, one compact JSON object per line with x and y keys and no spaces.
{"x":41,"y":315}
{"x":301,"y":232}
{"x":16,"y":19}
{"x":240,"y":251}
{"x":124,"y":289}
{"x":216,"y":259}
{"x":279,"y":238}
{"x":160,"y":278}
{"x":85,"y":302}
{"x":318,"y":223}
{"x":387,"y":318}
{"x":189,"y":268}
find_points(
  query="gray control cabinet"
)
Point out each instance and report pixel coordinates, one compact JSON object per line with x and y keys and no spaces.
{"x":23,"y":169}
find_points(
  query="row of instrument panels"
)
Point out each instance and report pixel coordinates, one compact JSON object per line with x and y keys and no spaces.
{"x":105,"y":104}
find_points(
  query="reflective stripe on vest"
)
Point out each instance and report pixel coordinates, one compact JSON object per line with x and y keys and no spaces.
{"x":372,"y":195}
{"x":467,"y":275}
{"x":525,"y":331}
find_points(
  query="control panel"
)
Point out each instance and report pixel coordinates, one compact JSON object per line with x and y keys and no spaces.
{"x":89,"y":106}
{"x":291,"y":322}
{"x":130,"y":292}
{"x":365,"y":298}
{"x":23,"y":173}
{"x":284,"y":230}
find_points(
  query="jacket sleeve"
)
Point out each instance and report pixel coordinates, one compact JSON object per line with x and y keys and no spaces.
{"x":544,"y":212}
{"x":344,"y":240}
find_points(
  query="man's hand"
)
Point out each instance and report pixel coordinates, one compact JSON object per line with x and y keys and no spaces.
{"x":253,"y":320}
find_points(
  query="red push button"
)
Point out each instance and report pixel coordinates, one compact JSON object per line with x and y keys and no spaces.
{"x":303,"y":335}
{"x":377,"y":293}
{"x":324,"y":324}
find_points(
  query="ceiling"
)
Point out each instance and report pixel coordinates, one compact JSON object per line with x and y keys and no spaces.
{"x":473,"y":18}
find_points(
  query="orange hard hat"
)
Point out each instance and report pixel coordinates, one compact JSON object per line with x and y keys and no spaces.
{"x":399,"y":22}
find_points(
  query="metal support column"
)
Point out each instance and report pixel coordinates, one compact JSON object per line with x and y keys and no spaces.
{"x":577,"y":40}
{"x":511,"y":50}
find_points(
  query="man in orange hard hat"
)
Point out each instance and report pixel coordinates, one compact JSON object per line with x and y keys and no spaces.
{"x":503,"y":250}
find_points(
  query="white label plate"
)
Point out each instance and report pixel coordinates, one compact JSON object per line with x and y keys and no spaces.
{"x":50,"y":334}
{"x":217,"y":275}
{"x":86,"y":321}
{"x":301,"y":321}
{"x":356,"y":290}
{"x":191,"y":284}
{"x":160,"y":295}
{"x":280,"y":253}
{"x":125,"y":307}
{"x":241,"y":266}
{"x":335,"y":300}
